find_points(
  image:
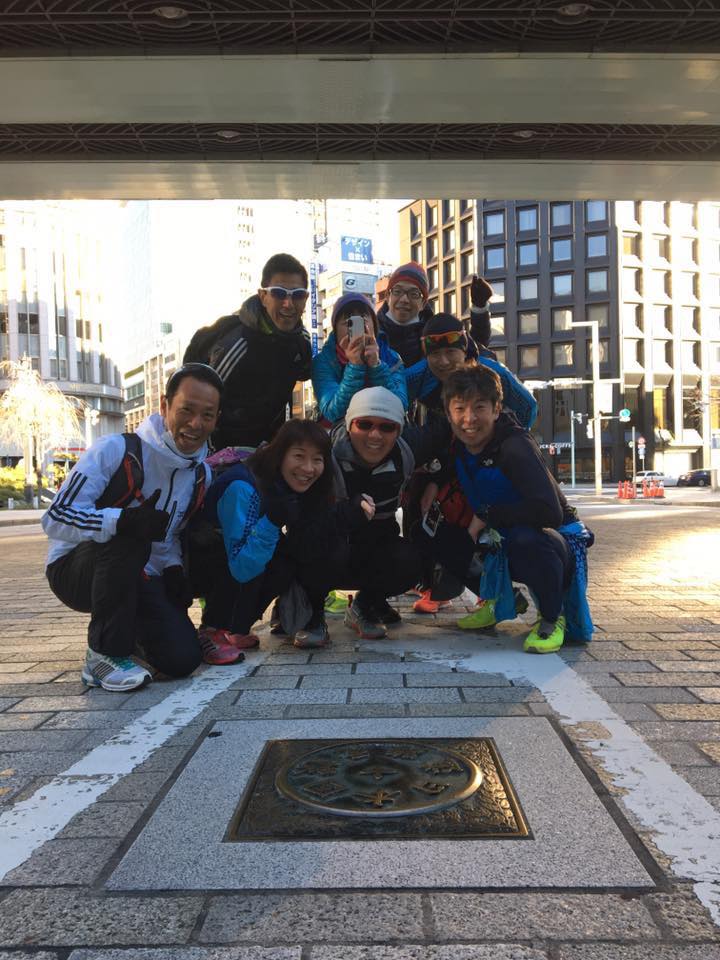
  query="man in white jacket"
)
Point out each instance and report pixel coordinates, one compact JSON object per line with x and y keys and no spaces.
{"x":123,"y":564}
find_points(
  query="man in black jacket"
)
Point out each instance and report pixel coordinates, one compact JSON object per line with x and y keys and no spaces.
{"x":260,"y":353}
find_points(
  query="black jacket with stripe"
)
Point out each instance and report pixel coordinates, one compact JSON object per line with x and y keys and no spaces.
{"x":259,"y":365}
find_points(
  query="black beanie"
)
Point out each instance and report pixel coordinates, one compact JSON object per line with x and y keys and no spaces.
{"x":445,"y":323}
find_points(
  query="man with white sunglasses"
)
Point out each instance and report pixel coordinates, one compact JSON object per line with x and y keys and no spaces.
{"x":260,"y":352}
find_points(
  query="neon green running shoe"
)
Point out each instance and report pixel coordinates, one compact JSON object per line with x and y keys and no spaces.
{"x":335,"y":603}
{"x":482,"y":617}
{"x":537,"y":642}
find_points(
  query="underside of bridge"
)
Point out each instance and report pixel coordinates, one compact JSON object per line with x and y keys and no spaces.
{"x":363,"y":98}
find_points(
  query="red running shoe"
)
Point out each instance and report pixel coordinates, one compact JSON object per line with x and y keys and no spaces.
{"x":216,"y":649}
{"x":242,"y":641}
{"x":426,"y":605}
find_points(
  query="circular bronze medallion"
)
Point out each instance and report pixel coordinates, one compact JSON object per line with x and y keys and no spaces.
{"x":379,"y":778}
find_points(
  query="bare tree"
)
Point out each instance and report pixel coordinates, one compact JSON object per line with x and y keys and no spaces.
{"x":35,"y":415}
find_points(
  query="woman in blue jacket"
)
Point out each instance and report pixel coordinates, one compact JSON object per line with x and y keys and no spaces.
{"x":347,"y":364}
{"x":279,"y":525}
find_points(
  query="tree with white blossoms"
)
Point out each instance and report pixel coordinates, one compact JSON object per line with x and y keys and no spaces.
{"x":35,"y":415}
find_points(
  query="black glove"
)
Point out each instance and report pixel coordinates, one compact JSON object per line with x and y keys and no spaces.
{"x":282,"y":510}
{"x":480,"y":292}
{"x":177,"y":587}
{"x":144,"y":522}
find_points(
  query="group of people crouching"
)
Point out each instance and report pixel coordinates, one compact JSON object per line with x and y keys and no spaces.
{"x":147,"y":522}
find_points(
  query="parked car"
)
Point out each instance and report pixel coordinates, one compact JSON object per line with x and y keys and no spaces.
{"x":694,"y":478}
{"x":655,"y":475}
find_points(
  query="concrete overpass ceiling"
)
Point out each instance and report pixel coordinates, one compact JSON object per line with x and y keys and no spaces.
{"x":415,"y":97}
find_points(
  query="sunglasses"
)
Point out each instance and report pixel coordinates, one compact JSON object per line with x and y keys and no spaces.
{"x":282,"y":293}
{"x":367,"y":425}
{"x":434,"y":341}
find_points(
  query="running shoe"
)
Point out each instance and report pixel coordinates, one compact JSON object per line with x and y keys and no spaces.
{"x":118,"y":674}
{"x":216,"y":649}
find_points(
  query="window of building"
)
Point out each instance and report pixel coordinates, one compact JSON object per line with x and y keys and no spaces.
{"x":498,"y":291}
{"x":465,"y":299}
{"x":449,"y":271}
{"x":657,"y":211}
{"x":711,"y":322}
{"x":497,"y":326}
{"x":684,"y":216}
{"x":449,"y":240}
{"x":627,"y":211}
{"x":432,"y":249}
{"x":631,"y":244}
{"x":662,"y":354}
{"x":448,"y":209}
{"x":562,"y":318}
{"x":689,"y":321}
{"x":465,"y":205}
{"x":494,"y":223}
{"x":561,"y":249}
{"x":529,"y":357}
{"x":501,"y":354}
{"x":528,"y":288}
{"x":595,"y":210}
{"x":563,"y":354}
{"x":494,"y":258}
{"x":604,"y":346}
{"x":632,"y":314}
{"x":685,"y":249}
{"x":414,"y":224}
{"x":433,"y":278}
{"x":632,"y":280}
{"x":560,"y":214}
{"x":467,"y":232}
{"x":596,"y":245}
{"x":686,"y":286}
{"x":527,"y":254}
{"x":690,"y":353}
{"x":433,"y":304}
{"x":598,"y":312}
{"x":562,"y":284}
{"x":662,"y":408}
{"x":416,"y":252}
{"x":597,"y":281}
{"x":430,"y":215}
{"x":634,"y":354}
{"x":467,"y":265}
{"x":660,"y":319}
{"x":659,"y":244}
{"x":450,"y":302}
{"x":659,"y":283}
{"x":527,"y":219}
{"x":528,"y":322}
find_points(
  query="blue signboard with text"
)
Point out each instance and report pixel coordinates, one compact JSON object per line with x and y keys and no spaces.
{"x":356,"y":249}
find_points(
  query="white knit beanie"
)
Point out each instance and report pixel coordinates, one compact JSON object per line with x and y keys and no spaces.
{"x":375,"y":402}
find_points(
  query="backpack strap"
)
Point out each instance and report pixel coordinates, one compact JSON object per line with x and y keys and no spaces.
{"x":125,"y":485}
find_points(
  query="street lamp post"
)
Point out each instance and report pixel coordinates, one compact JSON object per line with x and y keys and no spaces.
{"x":597,"y":422}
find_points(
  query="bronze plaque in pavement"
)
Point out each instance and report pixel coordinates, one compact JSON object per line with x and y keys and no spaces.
{"x":379,"y":788}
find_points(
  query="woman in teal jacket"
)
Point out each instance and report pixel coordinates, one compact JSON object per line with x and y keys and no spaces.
{"x":346,"y":365}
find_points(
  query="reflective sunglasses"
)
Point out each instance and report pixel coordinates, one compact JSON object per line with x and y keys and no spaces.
{"x":412,"y":294}
{"x":282,"y":293}
{"x":436,"y":341}
{"x":367,"y":425}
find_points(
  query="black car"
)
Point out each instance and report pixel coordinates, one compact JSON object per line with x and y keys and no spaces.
{"x":694,"y":478}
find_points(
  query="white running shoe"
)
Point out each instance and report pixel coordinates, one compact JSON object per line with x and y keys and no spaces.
{"x":113,"y":673}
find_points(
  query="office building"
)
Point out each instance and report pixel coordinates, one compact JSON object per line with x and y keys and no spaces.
{"x":648,"y":273}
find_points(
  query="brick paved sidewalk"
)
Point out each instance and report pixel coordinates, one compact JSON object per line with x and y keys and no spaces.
{"x":655,"y":664}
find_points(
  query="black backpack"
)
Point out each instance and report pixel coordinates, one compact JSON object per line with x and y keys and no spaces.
{"x":125,"y":485}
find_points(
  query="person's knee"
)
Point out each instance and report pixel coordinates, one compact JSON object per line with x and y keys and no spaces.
{"x":178,"y":661}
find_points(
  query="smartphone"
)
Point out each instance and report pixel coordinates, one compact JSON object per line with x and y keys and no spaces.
{"x":356,"y":327}
{"x":431,"y":520}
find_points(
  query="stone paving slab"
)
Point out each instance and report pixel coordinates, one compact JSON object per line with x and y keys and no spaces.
{"x":191,"y":953}
{"x":314,"y":917}
{"x":602,"y":951}
{"x":456,"y":951}
{"x":67,"y":917}
{"x":181,"y":848}
{"x":72,"y":861}
{"x":509,"y":916}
